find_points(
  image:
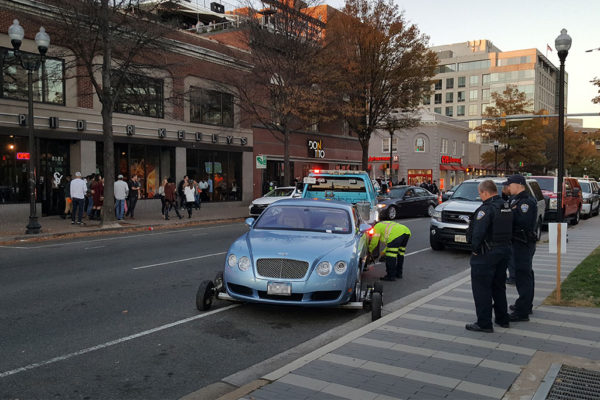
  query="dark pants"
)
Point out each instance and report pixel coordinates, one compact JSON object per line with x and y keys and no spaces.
{"x":168,"y":206}
{"x":131,"y":206}
{"x":163,"y":205}
{"x":488,"y":281}
{"x":511,"y":265}
{"x":394,"y":256}
{"x":524,"y":279}
{"x":189,"y":205}
{"x":77,"y":209}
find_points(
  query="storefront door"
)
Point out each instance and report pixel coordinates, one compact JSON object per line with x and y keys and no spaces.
{"x":54,"y":166}
{"x":418,"y":176}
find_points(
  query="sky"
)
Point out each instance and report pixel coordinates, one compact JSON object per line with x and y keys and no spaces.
{"x":514,"y":25}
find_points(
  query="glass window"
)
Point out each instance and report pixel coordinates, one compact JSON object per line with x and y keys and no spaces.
{"x":485,"y":79}
{"x":454,"y":147}
{"x":474,"y":80}
{"x":485,"y":94}
{"x":220,"y":169}
{"x":141,"y":95}
{"x":318,"y":219}
{"x":427,"y":99}
{"x":211,"y":107}
{"x":450,"y":83}
{"x":13,"y":171}
{"x":280,"y":192}
{"x":473,"y":109}
{"x":463,"y":149}
{"x":386,"y":145}
{"x":473,"y":94}
{"x":460,"y":96}
{"x":449,"y":97}
{"x":462,"y":81}
{"x":437,"y":85}
{"x":420,"y":145}
{"x":449,"y":111}
{"x":444,"y":147}
{"x":48,"y":81}
{"x":473,"y":65}
{"x":437,"y":98}
{"x":483,"y":107}
{"x":514,"y":60}
{"x":440,"y":69}
{"x":460,"y":111}
{"x":437,"y":110}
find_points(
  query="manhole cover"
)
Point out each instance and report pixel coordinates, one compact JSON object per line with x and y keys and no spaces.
{"x":563,"y":382}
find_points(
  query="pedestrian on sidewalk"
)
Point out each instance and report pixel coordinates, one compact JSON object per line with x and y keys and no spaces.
{"x":98,"y":197}
{"x":134,"y":193}
{"x":180,"y":192}
{"x":490,"y":232}
{"x":68,"y":201}
{"x":78,"y":190}
{"x":394,"y":237}
{"x":210,"y":188}
{"x":190,"y":197}
{"x":171,"y":198}
{"x":197,"y":191}
{"x":524,"y":209}
{"x":204,"y":189}
{"x":121,"y":193}
{"x":161,"y":194}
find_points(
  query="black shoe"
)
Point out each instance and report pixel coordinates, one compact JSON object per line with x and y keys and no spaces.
{"x":399,"y":276}
{"x":514,"y":317}
{"x":510,"y":281}
{"x":476,"y":328}
{"x":513,"y":308}
{"x":387,"y":278}
{"x":72,"y":222}
{"x":503,"y":324}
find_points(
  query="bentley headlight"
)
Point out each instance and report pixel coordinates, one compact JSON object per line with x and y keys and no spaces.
{"x":244,"y":263}
{"x":232,"y":260}
{"x":553,"y":203}
{"x":437,"y":215}
{"x":340,"y":267}
{"x":324,"y":268}
{"x":381,"y":205}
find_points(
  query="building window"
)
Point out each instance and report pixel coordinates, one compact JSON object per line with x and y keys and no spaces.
{"x":437,"y":110}
{"x":485,"y":79}
{"x":211,"y":107}
{"x":473,"y":65}
{"x":462,"y":81}
{"x":513,"y":61}
{"x":473,"y":94}
{"x":437,"y":99}
{"x":427,"y":100}
{"x":224,"y":168}
{"x":444,"y":147}
{"x":440,"y":69}
{"x":474,"y":80}
{"x":454,"y":147}
{"x":346,"y":128}
{"x":473,"y":109}
{"x":449,"y":111}
{"x":449,"y":97}
{"x":48,"y":83}
{"x":463,"y":149}
{"x":385,"y":148}
{"x":460,"y":96}
{"x":460,"y":111}
{"x":483,"y":107}
{"x":437,"y":85}
{"x":449,"y":83}
{"x":141,"y":95}
{"x":420,"y":145}
{"x":474,"y":124}
{"x":485,"y":94}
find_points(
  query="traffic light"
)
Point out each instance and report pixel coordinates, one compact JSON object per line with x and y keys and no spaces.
{"x":503,"y":120}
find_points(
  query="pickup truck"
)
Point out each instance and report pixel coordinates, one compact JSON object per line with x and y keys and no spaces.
{"x":353,"y":187}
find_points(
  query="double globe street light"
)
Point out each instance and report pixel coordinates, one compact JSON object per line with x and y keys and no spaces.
{"x":31,"y":63}
{"x":562,"y":44}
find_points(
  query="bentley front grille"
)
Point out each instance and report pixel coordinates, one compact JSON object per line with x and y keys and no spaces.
{"x":282,"y":268}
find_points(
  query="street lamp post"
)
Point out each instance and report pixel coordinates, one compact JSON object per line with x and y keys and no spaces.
{"x":496,"y":145}
{"x":562,"y":45}
{"x":31,"y":63}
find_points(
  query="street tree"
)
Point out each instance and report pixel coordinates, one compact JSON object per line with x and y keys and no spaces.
{"x":596,"y":82}
{"x":383,"y":64}
{"x":285,"y":91}
{"x":110,"y":42}
{"x":581,"y":156}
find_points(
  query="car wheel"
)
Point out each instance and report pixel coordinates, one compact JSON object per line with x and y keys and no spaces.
{"x":376,"y":305}
{"x":357,"y":286}
{"x":577,"y":217}
{"x":392,"y":212}
{"x":378,"y":287}
{"x":435,"y":244}
{"x":204,"y":296}
{"x":430,"y":210}
{"x":538,"y":230}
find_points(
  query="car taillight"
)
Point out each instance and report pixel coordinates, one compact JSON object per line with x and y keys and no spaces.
{"x":317,"y":171}
{"x":371,"y":232}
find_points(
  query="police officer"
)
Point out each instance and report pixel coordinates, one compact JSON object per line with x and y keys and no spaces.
{"x":524,"y":208}
{"x":511,"y":261}
{"x":395,"y":238}
{"x":489,"y":233}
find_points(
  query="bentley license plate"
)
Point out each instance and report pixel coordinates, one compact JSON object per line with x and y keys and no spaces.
{"x":279,"y":289}
{"x":460,"y":238}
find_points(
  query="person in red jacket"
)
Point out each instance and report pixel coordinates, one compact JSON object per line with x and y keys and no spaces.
{"x":170,"y":198}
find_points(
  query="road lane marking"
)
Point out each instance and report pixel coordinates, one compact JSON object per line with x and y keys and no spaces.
{"x":178,"y":261}
{"x":418,"y":251}
{"x":114,"y":342}
{"x":93,"y":247}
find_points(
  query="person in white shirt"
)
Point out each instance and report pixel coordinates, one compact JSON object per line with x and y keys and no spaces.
{"x":190,"y":197}
{"x":121,"y":193}
{"x":78,"y":190}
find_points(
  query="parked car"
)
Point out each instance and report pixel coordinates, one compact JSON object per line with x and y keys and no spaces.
{"x":259,"y":205}
{"x":572,"y":198}
{"x":405,"y":201}
{"x":354,"y":187}
{"x":298,"y":252}
{"x":450,"y":220}
{"x":591,"y":197}
{"x":448,"y":193}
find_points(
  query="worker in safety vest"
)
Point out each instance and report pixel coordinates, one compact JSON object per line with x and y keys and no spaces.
{"x":393,"y":237}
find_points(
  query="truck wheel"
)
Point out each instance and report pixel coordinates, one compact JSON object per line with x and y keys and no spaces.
{"x":435,"y":244}
{"x":577,"y":217}
{"x":204,"y":296}
{"x":376,"y":304}
{"x":538,"y":230}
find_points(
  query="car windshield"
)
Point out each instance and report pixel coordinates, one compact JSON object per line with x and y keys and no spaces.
{"x":468,"y":191}
{"x":546,"y":183}
{"x":585,"y":186}
{"x":280,"y":192}
{"x":335,"y":183}
{"x":303,"y":218}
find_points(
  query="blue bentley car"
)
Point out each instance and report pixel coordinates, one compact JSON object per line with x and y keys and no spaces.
{"x":298,"y":252}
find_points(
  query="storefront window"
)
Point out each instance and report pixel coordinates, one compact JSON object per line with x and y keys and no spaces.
{"x":13,"y":170}
{"x":222,"y":168}
{"x":141,"y":95}
{"x":211,"y":107}
{"x":48,"y":82}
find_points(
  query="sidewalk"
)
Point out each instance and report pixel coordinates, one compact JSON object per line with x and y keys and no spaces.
{"x":423,"y":351}
{"x":146,"y":218}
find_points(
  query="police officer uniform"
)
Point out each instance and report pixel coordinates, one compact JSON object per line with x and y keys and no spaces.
{"x":395,"y":238}
{"x":489,"y":232}
{"x":524,"y":209}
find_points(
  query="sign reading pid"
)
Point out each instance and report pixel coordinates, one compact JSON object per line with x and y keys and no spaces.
{"x":315,"y":149}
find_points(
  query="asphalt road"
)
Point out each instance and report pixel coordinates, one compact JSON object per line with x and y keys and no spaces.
{"x":115,"y":317}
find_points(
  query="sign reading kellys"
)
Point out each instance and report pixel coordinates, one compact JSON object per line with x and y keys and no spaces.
{"x":315,"y":148}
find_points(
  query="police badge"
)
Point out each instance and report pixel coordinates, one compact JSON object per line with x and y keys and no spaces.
{"x":480,"y":214}
{"x":524,"y":208}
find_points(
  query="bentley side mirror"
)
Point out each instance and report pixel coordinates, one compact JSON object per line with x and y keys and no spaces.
{"x":249,"y":222}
